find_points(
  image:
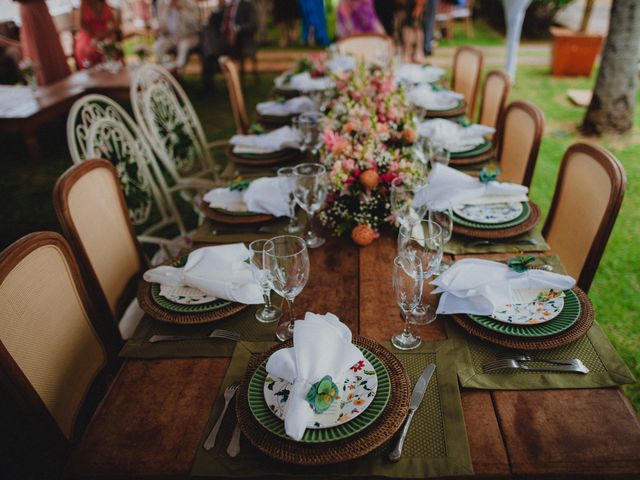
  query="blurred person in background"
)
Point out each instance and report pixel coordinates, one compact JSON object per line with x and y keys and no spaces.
{"x":428,"y":25}
{"x":314,"y":22}
{"x":178,"y":28}
{"x":96,"y":24}
{"x":386,"y":10}
{"x":357,"y":16}
{"x":286,"y":14}
{"x":413,"y":31}
{"x":239,"y":27}
{"x":40,"y":42}
{"x":10,"y":56}
{"x":263,"y":9}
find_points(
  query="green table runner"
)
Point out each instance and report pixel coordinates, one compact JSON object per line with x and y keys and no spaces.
{"x":243,"y":322}
{"x":606,"y":368}
{"x":436,"y":445}
{"x":459,"y":244}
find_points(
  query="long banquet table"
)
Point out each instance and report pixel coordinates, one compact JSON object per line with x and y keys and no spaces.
{"x":153,"y":418}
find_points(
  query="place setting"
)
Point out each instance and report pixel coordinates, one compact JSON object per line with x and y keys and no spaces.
{"x":435,"y":101}
{"x":281,"y":111}
{"x":265,"y":149}
{"x":291,"y":84}
{"x":415,"y":74}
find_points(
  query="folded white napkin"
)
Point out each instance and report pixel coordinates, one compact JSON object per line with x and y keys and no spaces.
{"x":279,"y":139}
{"x":446,"y":184}
{"x":321,"y":346}
{"x":414,"y":73}
{"x":341,"y":63}
{"x":220,"y":271}
{"x":293,"y":106}
{"x":263,"y":195}
{"x":453,"y":136}
{"x":426,"y":97}
{"x":305,"y":83}
{"x":482,"y":286}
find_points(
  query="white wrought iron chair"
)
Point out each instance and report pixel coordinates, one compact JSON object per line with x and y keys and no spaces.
{"x":97,"y":127}
{"x":172,"y":127}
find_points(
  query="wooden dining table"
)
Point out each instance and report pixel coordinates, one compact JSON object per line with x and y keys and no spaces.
{"x":152,"y":420}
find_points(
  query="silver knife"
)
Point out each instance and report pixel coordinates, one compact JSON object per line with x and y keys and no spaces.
{"x":416,"y":399}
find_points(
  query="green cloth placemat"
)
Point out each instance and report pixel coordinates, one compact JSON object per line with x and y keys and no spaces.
{"x":435,"y":447}
{"x":606,"y":368}
{"x":243,"y":322}
{"x":459,"y":244}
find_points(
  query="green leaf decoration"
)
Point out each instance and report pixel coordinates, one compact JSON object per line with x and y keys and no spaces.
{"x":322,"y":394}
{"x":520,"y":264}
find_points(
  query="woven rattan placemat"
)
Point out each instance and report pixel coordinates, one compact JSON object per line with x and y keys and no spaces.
{"x":529,"y":224}
{"x":481,"y":157}
{"x":531,"y":241}
{"x":436,"y":444}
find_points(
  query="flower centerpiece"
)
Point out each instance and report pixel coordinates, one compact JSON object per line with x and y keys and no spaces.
{"x":368,"y":142}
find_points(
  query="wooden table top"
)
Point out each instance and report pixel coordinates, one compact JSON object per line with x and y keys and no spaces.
{"x":153,"y":418}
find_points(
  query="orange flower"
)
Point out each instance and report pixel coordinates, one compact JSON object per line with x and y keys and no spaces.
{"x":349,"y":127}
{"x":409,"y":135}
{"x":370,"y":179}
{"x":363,"y":235}
{"x":358,"y":402}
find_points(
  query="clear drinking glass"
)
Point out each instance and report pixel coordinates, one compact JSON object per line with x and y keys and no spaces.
{"x":442,"y":214}
{"x":294,"y":226}
{"x":402,"y":203}
{"x":407,"y":286}
{"x":440,"y":155}
{"x":312,"y":186}
{"x":286,"y":260}
{"x":422,"y":241}
{"x":310,"y":125}
{"x":269,"y":313}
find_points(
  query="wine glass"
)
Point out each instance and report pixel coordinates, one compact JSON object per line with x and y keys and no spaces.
{"x":403,"y":205}
{"x":289,"y":173}
{"x":442,"y":214}
{"x":440,"y":155}
{"x":312,"y":186}
{"x":286,"y":260}
{"x":407,"y":286}
{"x":423,"y":241}
{"x":269,"y":313}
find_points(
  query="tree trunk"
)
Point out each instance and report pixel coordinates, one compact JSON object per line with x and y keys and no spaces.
{"x":614,"y":97}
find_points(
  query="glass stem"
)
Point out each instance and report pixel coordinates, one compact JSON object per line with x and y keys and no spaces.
{"x":292,"y":316}
{"x":405,"y":317}
{"x":293,"y":221}
{"x":266,"y":297}
{"x":309,"y":227}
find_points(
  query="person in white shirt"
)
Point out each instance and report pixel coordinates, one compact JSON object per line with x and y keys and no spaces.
{"x":179,"y":28}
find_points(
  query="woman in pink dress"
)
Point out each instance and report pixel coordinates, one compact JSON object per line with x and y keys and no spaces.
{"x":41,"y":42}
{"x":357,"y":16}
{"x":97,"y":24}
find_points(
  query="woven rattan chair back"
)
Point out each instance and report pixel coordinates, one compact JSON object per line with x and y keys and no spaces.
{"x":467,"y":69}
{"x":236,"y":97}
{"x":170,"y":124}
{"x":55,"y":349}
{"x":371,"y":47}
{"x":494,"y":98}
{"x":519,"y":136}
{"x":586,"y":202}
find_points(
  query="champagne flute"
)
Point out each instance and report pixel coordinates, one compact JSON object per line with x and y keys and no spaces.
{"x":403,"y":205}
{"x":286,"y":260}
{"x":407,"y":286}
{"x":441,"y":213}
{"x":423,"y":241}
{"x":312,"y":186}
{"x":294,"y":225}
{"x":269,"y":313}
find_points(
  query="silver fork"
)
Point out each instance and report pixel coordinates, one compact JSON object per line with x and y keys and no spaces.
{"x":229,"y":392}
{"x":478,"y":243}
{"x":577,"y":367}
{"x":527,"y":358}
{"x":218,"y":333}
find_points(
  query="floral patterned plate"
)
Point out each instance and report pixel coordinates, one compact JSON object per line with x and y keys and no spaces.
{"x":357,"y":391}
{"x":531,"y":307}
{"x":185,"y":295}
{"x":490,"y":213}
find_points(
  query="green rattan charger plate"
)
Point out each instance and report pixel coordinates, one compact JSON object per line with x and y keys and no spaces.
{"x":499,"y":231}
{"x":368,"y":439}
{"x":526,"y":212}
{"x":472,"y":152}
{"x":225,"y":216}
{"x":567,"y":318}
{"x":272,"y":423}
{"x":569,"y":335}
{"x":260,"y":160}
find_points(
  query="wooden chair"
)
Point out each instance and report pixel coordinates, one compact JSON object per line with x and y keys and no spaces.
{"x":57,"y":351}
{"x":371,"y":47}
{"x":585,"y":204}
{"x":518,"y":139}
{"x":467,"y":69}
{"x":497,"y":85}
{"x":236,"y":97}
{"x":93,"y":214}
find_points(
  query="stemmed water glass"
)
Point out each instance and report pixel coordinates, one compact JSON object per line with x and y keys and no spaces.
{"x":423,"y":241}
{"x":407,"y":286}
{"x":286,"y":260}
{"x":441,"y":213}
{"x":403,"y":203}
{"x":310,"y":125}
{"x":269,"y":313}
{"x":312,"y":186}
{"x":289,"y":173}
{"x":440,"y":155}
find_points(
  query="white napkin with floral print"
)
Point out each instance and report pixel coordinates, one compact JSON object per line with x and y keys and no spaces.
{"x":321,"y":346}
{"x":481,"y":286}
{"x":425,"y":96}
{"x":453,"y":136}
{"x":293,"y":106}
{"x":264,"y":195}
{"x":220,"y":271}
{"x":274,"y":141}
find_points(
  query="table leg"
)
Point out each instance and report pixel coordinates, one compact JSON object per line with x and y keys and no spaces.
{"x":33,"y":145}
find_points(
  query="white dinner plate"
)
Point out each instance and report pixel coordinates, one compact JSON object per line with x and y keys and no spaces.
{"x":489,"y":213}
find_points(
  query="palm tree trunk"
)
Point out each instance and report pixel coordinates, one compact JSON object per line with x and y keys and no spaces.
{"x":614,"y":97}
